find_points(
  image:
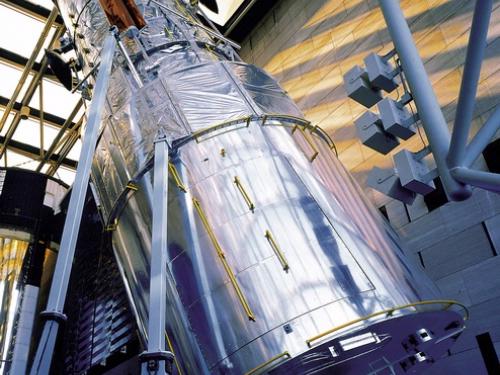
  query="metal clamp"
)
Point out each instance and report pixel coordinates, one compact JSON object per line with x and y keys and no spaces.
{"x":222,"y":257}
{"x":175,"y":175}
{"x":309,"y":142}
{"x":112,"y":227}
{"x":245,"y":195}
{"x":153,"y":358}
{"x":277,"y":251}
{"x":132,"y":186}
{"x":268,"y":362}
{"x":54,"y":315}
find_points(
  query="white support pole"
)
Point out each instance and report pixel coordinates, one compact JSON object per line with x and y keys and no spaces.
{"x":470,"y":78}
{"x":482,"y":138}
{"x":54,"y":314}
{"x":156,"y":359}
{"x":429,"y":111}
{"x":485,"y":180}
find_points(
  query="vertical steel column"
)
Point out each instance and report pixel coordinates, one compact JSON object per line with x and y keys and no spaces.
{"x":470,"y":78}
{"x":482,"y":138}
{"x":428,"y":108}
{"x":156,"y":360}
{"x":55,"y":305}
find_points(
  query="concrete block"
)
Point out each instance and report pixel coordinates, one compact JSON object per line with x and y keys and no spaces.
{"x":493,"y":227}
{"x":412,"y":173}
{"x":380,"y":73}
{"x":371,"y":133}
{"x":456,"y":253}
{"x":483,"y":280}
{"x":359,"y":89}
{"x":396,"y":119}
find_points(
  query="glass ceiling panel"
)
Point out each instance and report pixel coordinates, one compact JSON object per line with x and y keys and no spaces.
{"x":65,"y":174}
{"x":28,"y":131}
{"x":56,"y":99}
{"x":24,"y":40}
{"x":44,"y":3}
{"x":9,"y":78}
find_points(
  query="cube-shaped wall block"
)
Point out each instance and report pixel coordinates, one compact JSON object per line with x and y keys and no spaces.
{"x":358,"y":88}
{"x":396,"y":119}
{"x":380,"y":73}
{"x":387,"y":182}
{"x":370,"y":132}
{"x":412,"y":173}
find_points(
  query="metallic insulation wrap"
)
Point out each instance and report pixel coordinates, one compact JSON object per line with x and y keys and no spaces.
{"x":270,"y":241}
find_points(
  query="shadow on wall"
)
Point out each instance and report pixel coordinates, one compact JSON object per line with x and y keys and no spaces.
{"x":329,"y":37}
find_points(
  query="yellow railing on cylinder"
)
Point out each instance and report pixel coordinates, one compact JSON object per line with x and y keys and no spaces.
{"x":222,"y":257}
{"x":388,"y":312}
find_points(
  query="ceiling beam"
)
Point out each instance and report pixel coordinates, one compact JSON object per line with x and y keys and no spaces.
{"x":49,"y":118}
{"x":34,"y":153}
{"x":32,"y":10}
{"x":18,"y":61}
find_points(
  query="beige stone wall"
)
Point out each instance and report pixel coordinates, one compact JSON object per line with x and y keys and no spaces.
{"x":309,"y":44}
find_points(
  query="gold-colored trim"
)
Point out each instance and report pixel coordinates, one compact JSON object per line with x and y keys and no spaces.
{"x":389,"y":312}
{"x":175,"y":175}
{"x":171,"y":348}
{"x":277,"y":251}
{"x":268,"y":362}
{"x":222,"y":257}
{"x":244,"y":194}
{"x":132,"y":186}
{"x":221,"y":125}
{"x":112,"y":226}
{"x":309,"y":142}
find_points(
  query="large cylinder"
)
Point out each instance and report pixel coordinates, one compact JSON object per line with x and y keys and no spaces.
{"x":272,"y":247}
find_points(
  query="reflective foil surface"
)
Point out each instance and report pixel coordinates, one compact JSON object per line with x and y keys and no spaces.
{"x":270,"y":241}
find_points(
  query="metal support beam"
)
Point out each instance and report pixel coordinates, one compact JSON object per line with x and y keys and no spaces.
{"x":31,"y":9}
{"x":156,"y":359}
{"x":33,"y":152}
{"x":27,"y":96}
{"x":428,"y":108}
{"x":54,"y":313}
{"x":470,"y":78}
{"x":19,"y":62}
{"x":48,"y":118}
{"x":67,"y":144}
{"x":68,"y":124}
{"x":485,"y":180}
{"x":482,"y":138}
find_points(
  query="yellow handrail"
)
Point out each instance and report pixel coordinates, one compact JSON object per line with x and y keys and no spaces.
{"x":268,"y":362}
{"x":221,"y":125}
{"x":171,"y":348}
{"x":388,"y":312}
{"x":176,"y":177}
{"x":132,"y":186}
{"x":277,"y":251}
{"x":244,"y":193}
{"x":222,"y":257}
{"x":309,"y":142}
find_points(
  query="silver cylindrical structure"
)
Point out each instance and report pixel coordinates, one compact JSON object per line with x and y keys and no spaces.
{"x":272,"y":247}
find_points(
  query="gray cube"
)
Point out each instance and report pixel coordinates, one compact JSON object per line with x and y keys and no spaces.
{"x":396,"y":119}
{"x":412,"y":173}
{"x":358,"y":88}
{"x":387,"y":182}
{"x":370,"y":132}
{"x":380,"y":73}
